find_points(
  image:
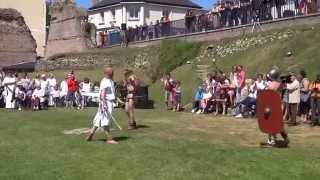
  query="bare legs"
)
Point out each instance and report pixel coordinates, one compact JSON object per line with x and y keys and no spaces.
{"x":130,"y":112}
{"x":107,"y":133}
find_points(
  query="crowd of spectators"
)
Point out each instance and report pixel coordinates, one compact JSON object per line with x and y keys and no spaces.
{"x":226,"y":13}
{"x":21,"y":91}
{"x":235,"y":95}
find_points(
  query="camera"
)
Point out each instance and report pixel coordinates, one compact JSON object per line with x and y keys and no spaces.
{"x":285,"y":79}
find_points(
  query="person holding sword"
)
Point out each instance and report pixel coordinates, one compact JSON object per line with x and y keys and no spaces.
{"x":103,"y":118}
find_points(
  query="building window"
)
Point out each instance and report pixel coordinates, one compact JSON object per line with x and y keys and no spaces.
{"x":101,"y":17}
{"x":113,"y":14}
{"x":134,"y":13}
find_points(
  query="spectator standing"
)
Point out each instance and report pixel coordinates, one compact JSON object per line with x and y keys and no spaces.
{"x":168,"y":86}
{"x":241,"y":78}
{"x":44,"y":85}
{"x":85,"y":88}
{"x":52,"y":83}
{"x":294,"y":99}
{"x":157,"y":29}
{"x":64,"y":90}
{"x":315,"y":101}
{"x":304,"y":96}
{"x":72,"y":89}
{"x":150,"y":31}
{"x":177,"y":96}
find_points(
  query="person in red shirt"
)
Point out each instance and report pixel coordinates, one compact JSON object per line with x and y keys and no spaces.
{"x":72,"y":89}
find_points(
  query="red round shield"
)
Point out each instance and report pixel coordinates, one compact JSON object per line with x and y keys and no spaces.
{"x":269,"y":112}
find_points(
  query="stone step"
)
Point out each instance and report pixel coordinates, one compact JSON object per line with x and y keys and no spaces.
{"x":203,"y":66}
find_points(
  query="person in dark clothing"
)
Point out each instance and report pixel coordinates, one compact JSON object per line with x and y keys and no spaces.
{"x":157,"y":29}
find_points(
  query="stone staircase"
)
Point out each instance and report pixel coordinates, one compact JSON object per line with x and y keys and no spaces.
{"x":202,"y":71}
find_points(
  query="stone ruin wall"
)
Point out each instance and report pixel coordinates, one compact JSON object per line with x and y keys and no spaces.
{"x":16,"y":42}
{"x":67,"y":32}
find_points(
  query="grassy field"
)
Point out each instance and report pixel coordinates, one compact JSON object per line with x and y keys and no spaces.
{"x":167,"y":146}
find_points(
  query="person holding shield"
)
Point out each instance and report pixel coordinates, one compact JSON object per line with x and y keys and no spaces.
{"x":104,"y":117}
{"x":270,"y":111}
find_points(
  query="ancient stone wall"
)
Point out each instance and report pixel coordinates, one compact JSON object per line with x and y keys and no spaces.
{"x":16,"y":42}
{"x":67,"y":31}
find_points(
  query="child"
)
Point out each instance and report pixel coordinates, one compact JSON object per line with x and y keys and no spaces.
{"x":207,"y":96}
{"x":20,"y":96}
{"x":197,"y":98}
{"x":36,"y":96}
{"x":176,"y":96}
{"x":55,"y":94}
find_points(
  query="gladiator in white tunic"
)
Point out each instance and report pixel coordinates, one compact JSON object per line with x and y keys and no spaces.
{"x":9,"y":84}
{"x":103,"y":117}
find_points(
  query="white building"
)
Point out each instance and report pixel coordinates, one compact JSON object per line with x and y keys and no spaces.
{"x":114,"y":13}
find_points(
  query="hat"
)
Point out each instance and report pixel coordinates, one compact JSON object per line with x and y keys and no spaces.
{"x":43,"y":75}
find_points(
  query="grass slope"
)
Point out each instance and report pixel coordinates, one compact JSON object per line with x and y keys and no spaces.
{"x":171,"y":146}
{"x":304,"y":45}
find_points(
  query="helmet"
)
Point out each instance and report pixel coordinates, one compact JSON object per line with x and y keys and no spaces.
{"x":274,"y":73}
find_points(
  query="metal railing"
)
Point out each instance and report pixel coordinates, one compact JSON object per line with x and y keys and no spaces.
{"x":258,"y":11}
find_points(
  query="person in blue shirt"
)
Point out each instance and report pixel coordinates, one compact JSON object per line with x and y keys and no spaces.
{"x":197,"y":98}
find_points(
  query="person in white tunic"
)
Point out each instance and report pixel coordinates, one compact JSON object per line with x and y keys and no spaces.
{"x":9,"y":83}
{"x":64,"y":90}
{"x":52,"y":83}
{"x":103,"y":117}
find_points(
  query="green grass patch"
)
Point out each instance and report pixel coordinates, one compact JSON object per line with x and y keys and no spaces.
{"x":171,"y":146}
{"x":175,"y":53}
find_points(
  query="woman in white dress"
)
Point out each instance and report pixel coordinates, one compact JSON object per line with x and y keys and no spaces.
{"x":9,"y":83}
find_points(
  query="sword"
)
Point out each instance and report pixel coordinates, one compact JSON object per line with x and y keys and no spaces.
{"x":104,"y":110}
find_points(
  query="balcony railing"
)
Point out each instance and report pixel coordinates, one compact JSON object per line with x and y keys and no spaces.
{"x":229,"y":17}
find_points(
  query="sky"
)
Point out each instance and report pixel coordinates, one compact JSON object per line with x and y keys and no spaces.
{"x":206,"y":4}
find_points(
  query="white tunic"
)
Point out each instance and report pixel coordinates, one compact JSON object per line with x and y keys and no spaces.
{"x":9,"y":86}
{"x":86,"y":87}
{"x":63,"y":88}
{"x":103,"y":117}
{"x":52,"y":82}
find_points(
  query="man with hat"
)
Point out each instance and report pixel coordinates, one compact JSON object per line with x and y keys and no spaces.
{"x":275,"y":85}
{"x":103,"y":117}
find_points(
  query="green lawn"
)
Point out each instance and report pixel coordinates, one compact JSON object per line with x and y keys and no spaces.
{"x":169,"y":146}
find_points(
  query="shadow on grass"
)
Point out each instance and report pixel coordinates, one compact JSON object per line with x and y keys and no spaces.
{"x":119,"y":139}
{"x":142,"y":126}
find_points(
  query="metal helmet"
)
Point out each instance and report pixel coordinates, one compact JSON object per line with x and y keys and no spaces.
{"x":274,"y":73}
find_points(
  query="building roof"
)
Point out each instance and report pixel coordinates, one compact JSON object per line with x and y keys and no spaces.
{"x":182,"y":3}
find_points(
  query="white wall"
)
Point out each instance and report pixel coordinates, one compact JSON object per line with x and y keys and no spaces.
{"x":95,"y":17}
{"x":151,"y":13}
